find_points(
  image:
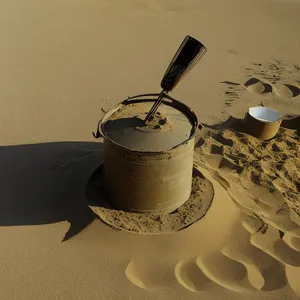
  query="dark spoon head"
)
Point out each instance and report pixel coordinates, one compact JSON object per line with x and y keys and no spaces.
{"x":187,"y":55}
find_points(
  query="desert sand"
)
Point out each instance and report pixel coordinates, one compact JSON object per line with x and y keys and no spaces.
{"x":62,"y":64}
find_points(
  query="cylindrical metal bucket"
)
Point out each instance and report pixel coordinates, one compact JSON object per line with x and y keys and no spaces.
{"x":262,"y":122}
{"x":148,"y":168}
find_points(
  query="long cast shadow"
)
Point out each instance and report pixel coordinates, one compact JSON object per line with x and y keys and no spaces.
{"x":45,"y":183}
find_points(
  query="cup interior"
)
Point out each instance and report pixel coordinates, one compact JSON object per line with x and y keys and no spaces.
{"x":264,"y":114}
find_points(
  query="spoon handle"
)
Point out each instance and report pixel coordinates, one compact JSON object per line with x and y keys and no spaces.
{"x":186,"y":57}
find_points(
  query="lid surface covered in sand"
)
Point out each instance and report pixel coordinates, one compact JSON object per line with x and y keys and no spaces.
{"x":168,"y":128}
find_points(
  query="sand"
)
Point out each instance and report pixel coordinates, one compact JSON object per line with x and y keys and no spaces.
{"x":62,"y":64}
{"x":191,"y":211}
{"x":266,"y":172}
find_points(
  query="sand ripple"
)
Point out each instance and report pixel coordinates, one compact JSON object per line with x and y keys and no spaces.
{"x":262,"y":179}
{"x":191,"y":277}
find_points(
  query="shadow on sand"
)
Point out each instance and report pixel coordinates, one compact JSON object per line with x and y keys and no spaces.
{"x":45,"y":183}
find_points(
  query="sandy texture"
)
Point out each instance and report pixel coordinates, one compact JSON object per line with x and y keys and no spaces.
{"x":254,"y":167}
{"x":190,"y":212}
{"x":61,"y":64}
{"x":262,"y":179}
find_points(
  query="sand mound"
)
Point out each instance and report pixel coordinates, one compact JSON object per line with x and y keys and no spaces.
{"x":261,"y":177}
{"x":186,"y":215}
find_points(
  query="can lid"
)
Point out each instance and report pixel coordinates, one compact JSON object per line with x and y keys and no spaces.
{"x":168,"y":128}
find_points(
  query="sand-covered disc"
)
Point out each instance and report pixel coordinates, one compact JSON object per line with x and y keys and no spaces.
{"x":190,"y":212}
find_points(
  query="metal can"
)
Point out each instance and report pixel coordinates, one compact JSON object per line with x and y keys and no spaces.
{"x":148,"y":166}
{"x":262,"y":122}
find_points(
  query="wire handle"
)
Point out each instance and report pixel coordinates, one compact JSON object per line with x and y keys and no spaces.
{"x":155,"y":106}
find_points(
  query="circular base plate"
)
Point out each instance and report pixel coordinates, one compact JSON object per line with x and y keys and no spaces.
{"x":190,"y":212}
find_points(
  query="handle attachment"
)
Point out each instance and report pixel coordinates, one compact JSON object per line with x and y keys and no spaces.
{"x":99,"y":132}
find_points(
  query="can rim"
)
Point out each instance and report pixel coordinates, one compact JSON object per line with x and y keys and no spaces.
{"x":252,"y":114}
{"x":168,"y":100}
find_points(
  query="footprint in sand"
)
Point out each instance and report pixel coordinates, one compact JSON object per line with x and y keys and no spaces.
{"x":251,"y":259}
{"x":138,"y":275}
{"x":260,"y":265}
{"x":286,"y":90}
{"x":275,"y":77}
{"x":257,"y":86}
{"x":271,"y":242}
{"x":190,"y":276}
{"x":226,"y":272}
{"x":240,"y":266}
{"x":149,"y":275}
{"x":243,"y":264}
